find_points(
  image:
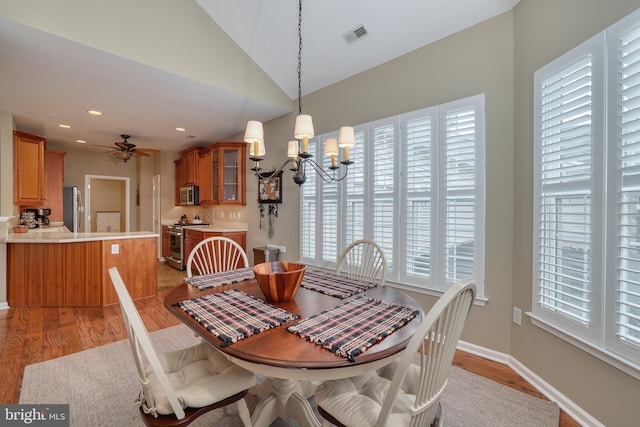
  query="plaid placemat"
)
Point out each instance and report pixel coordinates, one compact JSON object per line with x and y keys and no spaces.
{"x":222,"y":278}
{"x":351,"y":328}
{"x":336,"y":286}
{"x":234,"y":315}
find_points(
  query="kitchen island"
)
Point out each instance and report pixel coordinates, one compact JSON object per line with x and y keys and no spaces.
{"x":59,"y":268}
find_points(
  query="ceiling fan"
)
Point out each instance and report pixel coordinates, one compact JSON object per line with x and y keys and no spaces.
{"x":124,"y":149}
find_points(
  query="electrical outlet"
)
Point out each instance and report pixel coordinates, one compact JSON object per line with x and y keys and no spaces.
{"x":517,"y":316}
{"x":115,"y":249}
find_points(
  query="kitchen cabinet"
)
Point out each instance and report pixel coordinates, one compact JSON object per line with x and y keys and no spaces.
{"x":28,"y":169}
{"x":187,"y":169}
{"x":75,"y":273}
{"x":223,"y":172}
{"x":53,"y":183}
{"x":189,"y":174}
{"x":193,"y":237}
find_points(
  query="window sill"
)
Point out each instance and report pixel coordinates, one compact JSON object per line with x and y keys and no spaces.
{"x":606,"y":356}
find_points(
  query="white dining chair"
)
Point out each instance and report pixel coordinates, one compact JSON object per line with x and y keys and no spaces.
{"x":216,"y":254}
{"x":403,"y":393}
{"x":363,"y":260}
{"x":179,"y":386}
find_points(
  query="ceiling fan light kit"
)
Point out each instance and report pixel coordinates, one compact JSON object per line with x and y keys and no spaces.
{"x":124,"y":150}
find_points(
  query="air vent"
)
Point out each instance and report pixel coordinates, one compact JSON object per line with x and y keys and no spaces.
{"x":355,"y":34}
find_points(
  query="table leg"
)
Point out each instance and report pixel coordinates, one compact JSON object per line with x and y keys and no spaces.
{"x":285,"y":399}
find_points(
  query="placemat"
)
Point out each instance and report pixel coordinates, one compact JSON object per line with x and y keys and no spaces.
{"x":222,"y":278}
{"x":351,"y":328}
{"x":234,"y":315}
{"x":336,"y":286}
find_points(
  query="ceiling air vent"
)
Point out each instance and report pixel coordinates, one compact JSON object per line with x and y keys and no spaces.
{"x":355,"y":34}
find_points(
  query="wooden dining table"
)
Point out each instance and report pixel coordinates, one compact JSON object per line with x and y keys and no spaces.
{"x":290,"y":363}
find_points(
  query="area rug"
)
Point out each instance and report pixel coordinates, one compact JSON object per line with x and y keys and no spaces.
{"x":100,"y":385}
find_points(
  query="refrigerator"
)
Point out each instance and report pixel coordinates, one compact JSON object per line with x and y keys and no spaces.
{"x":72,"y":208}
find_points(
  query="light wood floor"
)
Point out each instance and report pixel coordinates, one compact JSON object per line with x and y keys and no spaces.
{"x":32,"y":335}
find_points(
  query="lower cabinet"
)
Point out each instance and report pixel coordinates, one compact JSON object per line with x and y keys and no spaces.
{"x":166,"y":241}
{"x":75,"y":274}
{"x":193,"y":237}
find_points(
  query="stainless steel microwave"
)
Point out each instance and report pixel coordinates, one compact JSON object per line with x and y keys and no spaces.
{"x":189,"y":195}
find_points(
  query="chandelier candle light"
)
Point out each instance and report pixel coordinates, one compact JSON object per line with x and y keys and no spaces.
{"x":298,"y":150}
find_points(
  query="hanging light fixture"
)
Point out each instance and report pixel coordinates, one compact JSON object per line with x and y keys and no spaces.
{"x":298,"y":150}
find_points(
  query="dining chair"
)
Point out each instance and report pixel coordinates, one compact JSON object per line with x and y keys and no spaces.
{"x":403,"y":393}
{"x":179,"y":386}
{"x":216,"y":254}
{"x":363,"y":260}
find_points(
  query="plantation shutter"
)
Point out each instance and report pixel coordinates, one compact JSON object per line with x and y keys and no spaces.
{"x":329,"y":210}
{"x":625,"y":336}
{"x":563,"y":208}
{"x":460,"y":194}
{"x":354,"y":227}
{"x":418,"y":170}
{"x":383,"y":139}
{"x":309,"y":221}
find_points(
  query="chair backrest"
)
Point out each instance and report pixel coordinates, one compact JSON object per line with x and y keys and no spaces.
{"x":435,"y":341}
{"x":142,"y":347}
{"x":216,"y":254}
{"x":363,"y":260}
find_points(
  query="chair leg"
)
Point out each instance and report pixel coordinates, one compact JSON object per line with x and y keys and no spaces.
{"x":243,"y":411}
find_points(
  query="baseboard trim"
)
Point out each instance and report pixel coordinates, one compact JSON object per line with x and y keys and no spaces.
{"x":566,"y":404}
{"x":4,"y":306}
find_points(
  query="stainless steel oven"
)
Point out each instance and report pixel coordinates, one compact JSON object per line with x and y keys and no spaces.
{"x":176,"y":245}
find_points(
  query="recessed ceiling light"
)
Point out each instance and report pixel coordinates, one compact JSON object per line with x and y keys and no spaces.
{"x":81,"y":141}
{"x":64,"y":126}
{"x":94,"y":112}
{"x":181,"y":129}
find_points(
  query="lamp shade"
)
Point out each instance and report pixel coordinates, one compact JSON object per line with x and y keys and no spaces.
{"x":253,"y":132}
{"x":346,"y":137}
{"x":304,"y":127}
{"x":261,"y":150}
{"x":292,"y":150}
{"x":331,"y":147}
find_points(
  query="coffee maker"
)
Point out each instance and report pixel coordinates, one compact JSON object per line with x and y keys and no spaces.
{"x":38,"y":216}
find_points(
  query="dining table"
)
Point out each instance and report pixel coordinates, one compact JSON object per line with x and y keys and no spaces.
{"x":292,"y":363}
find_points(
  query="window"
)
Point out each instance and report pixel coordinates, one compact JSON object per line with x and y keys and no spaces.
{"x":587,"y":194}
{"x":416,"y":188}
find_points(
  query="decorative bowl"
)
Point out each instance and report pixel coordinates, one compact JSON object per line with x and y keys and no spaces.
{"x":279,"y":280}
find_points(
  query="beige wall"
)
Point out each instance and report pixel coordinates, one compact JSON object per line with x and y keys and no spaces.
{"x":478,"y":60}
{"x":498,"y":58}
{"x":544,"y":30}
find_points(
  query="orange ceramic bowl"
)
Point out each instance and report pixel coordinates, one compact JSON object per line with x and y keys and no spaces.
{"x":279,"y":280}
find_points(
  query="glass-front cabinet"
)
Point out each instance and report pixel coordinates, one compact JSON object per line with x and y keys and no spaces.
{"x":223,"y":165}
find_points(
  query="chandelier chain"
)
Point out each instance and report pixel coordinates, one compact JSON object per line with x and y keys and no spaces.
{"x":299,"y":57}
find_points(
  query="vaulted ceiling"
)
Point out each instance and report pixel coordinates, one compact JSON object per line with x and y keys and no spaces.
{"x":205,"y":65}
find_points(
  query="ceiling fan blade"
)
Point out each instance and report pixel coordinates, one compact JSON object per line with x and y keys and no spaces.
{"x":140,"y":153}
{"x":148,"y":150}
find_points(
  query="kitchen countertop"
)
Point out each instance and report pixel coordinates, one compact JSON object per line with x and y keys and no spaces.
{"x":63,"y":235}
{"x":218,"y":227}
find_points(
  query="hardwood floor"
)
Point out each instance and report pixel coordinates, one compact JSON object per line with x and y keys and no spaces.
{"x":32,"y":335}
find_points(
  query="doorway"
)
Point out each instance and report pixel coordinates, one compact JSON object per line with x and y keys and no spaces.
{"x":107,"y":195}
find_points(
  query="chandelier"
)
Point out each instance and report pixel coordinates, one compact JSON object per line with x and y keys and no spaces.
{"x":298,"y":150}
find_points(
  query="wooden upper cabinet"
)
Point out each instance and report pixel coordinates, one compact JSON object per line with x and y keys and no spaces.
{"x":228,"y":166}
{"x":53,"y":183}
{"x":190,"y":158}
{"x":178,"y":178}
{"x":28,"y":169}
{"x":205,"y":175}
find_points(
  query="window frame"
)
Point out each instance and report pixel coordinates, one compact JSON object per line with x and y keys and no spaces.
{"x":397,"y":273}
{"x":597,"y":335}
